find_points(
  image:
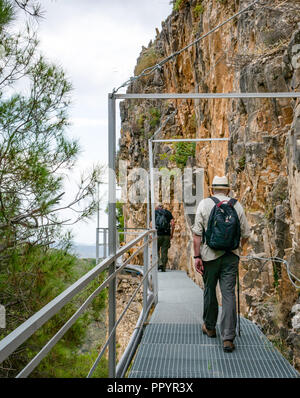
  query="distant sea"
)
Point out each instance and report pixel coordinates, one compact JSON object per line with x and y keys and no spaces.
{"x":86,"y":251}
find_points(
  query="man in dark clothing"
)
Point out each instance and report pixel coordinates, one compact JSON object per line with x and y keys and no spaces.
{"x":165,"y":226}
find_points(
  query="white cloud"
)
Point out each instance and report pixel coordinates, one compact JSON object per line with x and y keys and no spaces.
{"x":87,"y":122}
{"x":97,"y":43}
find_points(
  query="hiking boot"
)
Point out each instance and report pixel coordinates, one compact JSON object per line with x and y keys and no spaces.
{"x":209,"y":332}
{"x":228,"y":346}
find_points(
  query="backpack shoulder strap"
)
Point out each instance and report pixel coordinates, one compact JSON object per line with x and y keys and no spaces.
{"x":232,"y":202}
{"x":216,"y":200}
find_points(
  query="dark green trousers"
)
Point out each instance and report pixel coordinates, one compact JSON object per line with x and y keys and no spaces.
{"x":223,"y":269}
{"x":163,"y":244}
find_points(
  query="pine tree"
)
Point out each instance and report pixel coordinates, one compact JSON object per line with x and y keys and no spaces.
{"x":35,"y":153}
{"x":34,"y":149}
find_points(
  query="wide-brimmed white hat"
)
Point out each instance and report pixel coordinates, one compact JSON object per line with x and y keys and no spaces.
{"x":220,"y":182}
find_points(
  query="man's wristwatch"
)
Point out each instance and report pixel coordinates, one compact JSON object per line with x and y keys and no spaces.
{"x":197,"y":257}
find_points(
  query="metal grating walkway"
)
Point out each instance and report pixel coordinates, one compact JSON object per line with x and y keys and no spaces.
{"x":173,"y":345}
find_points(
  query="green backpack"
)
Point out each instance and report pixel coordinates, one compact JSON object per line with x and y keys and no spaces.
{"x":161,"y":221}
{"x":223,"y":229}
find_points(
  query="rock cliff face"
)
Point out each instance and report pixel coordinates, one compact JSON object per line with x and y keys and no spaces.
{"x":258,"y":52}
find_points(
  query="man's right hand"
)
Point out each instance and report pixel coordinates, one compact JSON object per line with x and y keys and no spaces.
{"x":199,"y":265}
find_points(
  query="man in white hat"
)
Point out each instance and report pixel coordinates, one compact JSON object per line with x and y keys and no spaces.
{"x":218,"y":265}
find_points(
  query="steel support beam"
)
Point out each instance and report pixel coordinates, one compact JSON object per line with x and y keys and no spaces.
{"x":98,"y":223}
{"x":151,"y":171}
{"x":148,"y":201}
{"x":191,"y":139}
{"x":105,"y":242}
{"x":207,"y":95}
{"x":97,"y":245}
{"x":112,"y":230}
{"x":154,"y":243}
{"x":146,"y":267}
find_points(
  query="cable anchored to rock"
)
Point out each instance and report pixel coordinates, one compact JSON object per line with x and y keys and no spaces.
{"x":289,"y":272}
{"x":151,"y":69}
{"x":163,"y":124}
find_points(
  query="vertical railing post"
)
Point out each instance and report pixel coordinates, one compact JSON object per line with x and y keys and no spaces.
{"x":148,"y":227}
{"x":112,"y":228}
{"x":148,"y":201}
{"x":98,"y":224}
{"x":155,"y":269}
{"x":151,"y":171}
{"x":97,"y":245}
{"x":145,"y":284}
{"x":105,"y":242}
{"x":154,"y":242}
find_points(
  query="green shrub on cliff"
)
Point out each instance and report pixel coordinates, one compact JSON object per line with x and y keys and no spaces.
{"x":178,"y":4}
{"x":154,"y":117}
{"x":198,"y":9}
{"x":120,"y":220}
{"x":184,"y":150}
{"x":149,"y":57}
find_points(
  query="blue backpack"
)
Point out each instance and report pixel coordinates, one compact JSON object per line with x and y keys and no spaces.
{"x":223,"y":229}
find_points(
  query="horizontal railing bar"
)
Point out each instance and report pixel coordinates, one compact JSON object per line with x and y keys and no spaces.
{"x":51,"y":343}
{"x":133,"y":228}
{"x":124,"y":362}
{"x":206,"y":95}
{"x":118,"y":321}
{"x":119,"y":269}
{"x":129,"y":232}
{"x":142,"y":228}
{"x":132,"y":243}
{"x":190,"y":139}
{"x":134,"y":267}
{"x":26,"y":329}
{"x":9,"y":343}
{"x":106,"y":228}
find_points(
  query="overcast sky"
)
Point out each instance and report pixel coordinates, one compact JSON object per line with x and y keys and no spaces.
{"x":97,"y":42}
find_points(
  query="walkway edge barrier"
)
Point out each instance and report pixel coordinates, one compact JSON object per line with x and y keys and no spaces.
{"x":11,"y":342}
{"x":134,"y":341}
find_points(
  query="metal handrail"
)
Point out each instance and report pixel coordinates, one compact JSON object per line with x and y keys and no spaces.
{"x":104,"y":232}
{"x":117,"y":323}
{"x":128,"y":354}
{"x":11,"y":342}
{"x":125,"y":228}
